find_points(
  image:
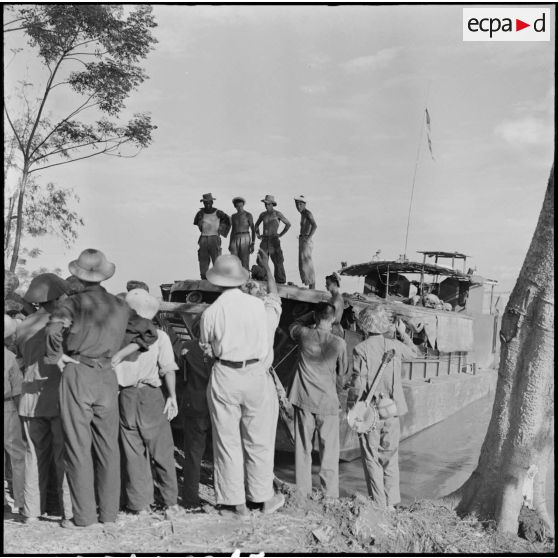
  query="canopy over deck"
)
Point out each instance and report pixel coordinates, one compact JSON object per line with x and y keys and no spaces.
{"x":402,"y":267}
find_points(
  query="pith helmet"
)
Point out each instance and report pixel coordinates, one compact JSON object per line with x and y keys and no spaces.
{"x":269,"y":199}
{"x":46,"y":287}
{"x":143,"y":303}
{"x":92,"y":265}
{"x":228,"y":272}
{"x":374,"y":319}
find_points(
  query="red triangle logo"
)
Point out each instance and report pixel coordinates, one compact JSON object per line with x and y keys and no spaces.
{"x":519,"y":25}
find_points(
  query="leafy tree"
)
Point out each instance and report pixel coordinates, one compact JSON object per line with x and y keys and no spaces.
{"x":93,"y":51}
{"x":519,"y":444}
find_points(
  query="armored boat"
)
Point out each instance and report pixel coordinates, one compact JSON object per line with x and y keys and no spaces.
{"x":450,"y":313}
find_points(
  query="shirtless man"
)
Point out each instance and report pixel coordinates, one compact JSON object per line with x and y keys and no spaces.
{"x":270,"y":243}
{"x":242,"y":226}
{"x":307,"y":229}
{"x":332,"y":286}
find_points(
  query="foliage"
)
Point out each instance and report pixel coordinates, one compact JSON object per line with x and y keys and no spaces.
{"x":92,"y":51}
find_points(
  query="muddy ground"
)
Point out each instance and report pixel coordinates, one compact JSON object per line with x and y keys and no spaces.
{"x":302,"y":526}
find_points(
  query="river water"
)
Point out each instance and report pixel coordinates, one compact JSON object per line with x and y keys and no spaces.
{"x":432,"y":463}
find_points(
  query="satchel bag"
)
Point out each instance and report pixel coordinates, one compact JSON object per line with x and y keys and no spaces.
{"x":364,"y":416}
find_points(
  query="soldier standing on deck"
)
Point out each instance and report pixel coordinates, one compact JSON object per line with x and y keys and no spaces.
{"x":243,"y":233}
{"x":270,"y":242}
{"x":305,"y":244}
{"x":213,"y":223}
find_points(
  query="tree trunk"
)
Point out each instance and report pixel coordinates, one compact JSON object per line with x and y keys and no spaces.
{"x":8,"y":225}
{"x":521,"y":431}
{"x":19,"y":219}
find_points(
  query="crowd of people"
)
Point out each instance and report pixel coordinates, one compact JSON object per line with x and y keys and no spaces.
{"x":90,"y":386}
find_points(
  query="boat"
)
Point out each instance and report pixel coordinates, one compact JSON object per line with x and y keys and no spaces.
{"x":450,"y":312}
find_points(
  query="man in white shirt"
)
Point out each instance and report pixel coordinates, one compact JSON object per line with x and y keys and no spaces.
{"x":241,"y":394}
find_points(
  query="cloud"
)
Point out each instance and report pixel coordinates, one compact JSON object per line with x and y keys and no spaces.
{"x":525,"y":131}
{"x":371,"y":62}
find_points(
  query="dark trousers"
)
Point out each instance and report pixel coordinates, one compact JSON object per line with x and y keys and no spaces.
{"x":146,"y":435}
{"x":44,"y":448}
{"x":272,"y":246}
{"x":197,"y":431}
{"x":209,"y":249}
{"x":89,"y":412}
{"x":14,"y":446}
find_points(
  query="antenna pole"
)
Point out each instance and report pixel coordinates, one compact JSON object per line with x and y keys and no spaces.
{"x":415,"y":174}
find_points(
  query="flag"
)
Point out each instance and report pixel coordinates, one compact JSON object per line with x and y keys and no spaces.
{"x":428,"y":133}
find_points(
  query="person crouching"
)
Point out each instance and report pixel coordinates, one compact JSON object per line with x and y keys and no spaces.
{"x":145,"y":431}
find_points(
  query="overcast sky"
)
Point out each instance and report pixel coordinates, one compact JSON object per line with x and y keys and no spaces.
{"x":328,"y":102}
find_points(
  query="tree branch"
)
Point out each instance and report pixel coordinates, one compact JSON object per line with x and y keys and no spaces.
{"x":13,"y":129}
{"x":120,"y":141}
{"x":78,"y":158}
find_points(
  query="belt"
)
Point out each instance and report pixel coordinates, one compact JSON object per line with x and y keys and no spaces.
{"x":239,"y":233}
{"x":270,"y":236}
{"x":237,"y":364}
{"x":91,"y":361}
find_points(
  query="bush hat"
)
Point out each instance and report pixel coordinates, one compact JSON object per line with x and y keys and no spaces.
{"x":92,"y":265}
{"x":10,"y":326}
{"x":207,"y":197}
{"x":300,"y":198}
{"x":237,"y":199}
{"x":374,"y":319}
{"x":269,"y":199}
{"x":145,"y":304}
{"x":228,"y":272}
{"x":46,"y":287}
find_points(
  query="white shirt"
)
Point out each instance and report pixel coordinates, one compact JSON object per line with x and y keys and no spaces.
{"x":236,"y":327}
{"x":149,"y":366}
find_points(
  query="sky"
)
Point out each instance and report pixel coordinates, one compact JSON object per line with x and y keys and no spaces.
{"x":325,"y":101}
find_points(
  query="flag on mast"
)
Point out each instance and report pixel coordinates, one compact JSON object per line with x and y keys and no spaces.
{"x":428,"y":133}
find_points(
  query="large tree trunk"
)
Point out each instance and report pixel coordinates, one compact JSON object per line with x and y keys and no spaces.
{"x":19,"y":219}
{"x":521,"y":430}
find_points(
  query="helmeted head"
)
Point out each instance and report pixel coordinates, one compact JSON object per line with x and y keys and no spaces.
{"x":374,"y":319}
{"x":46,"y":287}
{"x":92,"y":266}
{"x":145,"y":304}
{"x":228,"y":272}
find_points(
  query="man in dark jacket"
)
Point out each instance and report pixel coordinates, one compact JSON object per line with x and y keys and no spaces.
{"x":82,"y":336}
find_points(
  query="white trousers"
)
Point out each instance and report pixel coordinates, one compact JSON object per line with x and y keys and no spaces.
{"x":244,"y":410}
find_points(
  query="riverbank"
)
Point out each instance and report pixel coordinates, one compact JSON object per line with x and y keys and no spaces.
{"x":309,"y":526}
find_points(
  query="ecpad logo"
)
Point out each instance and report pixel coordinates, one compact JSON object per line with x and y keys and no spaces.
{"x":506,"y":24}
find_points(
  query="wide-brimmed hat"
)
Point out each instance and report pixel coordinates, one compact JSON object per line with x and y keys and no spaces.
{"x":92,"y":265}
{"x":374,"y":319}
{"x":143,"y":303}
{"x":207,"y":197}
{"x":228,"y":272}
{"x":269,"y":199}
{"x":300,"y":198}
{"x":10,"y":326}
{"x":237,"y":199}
{"x":46,"y":287}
